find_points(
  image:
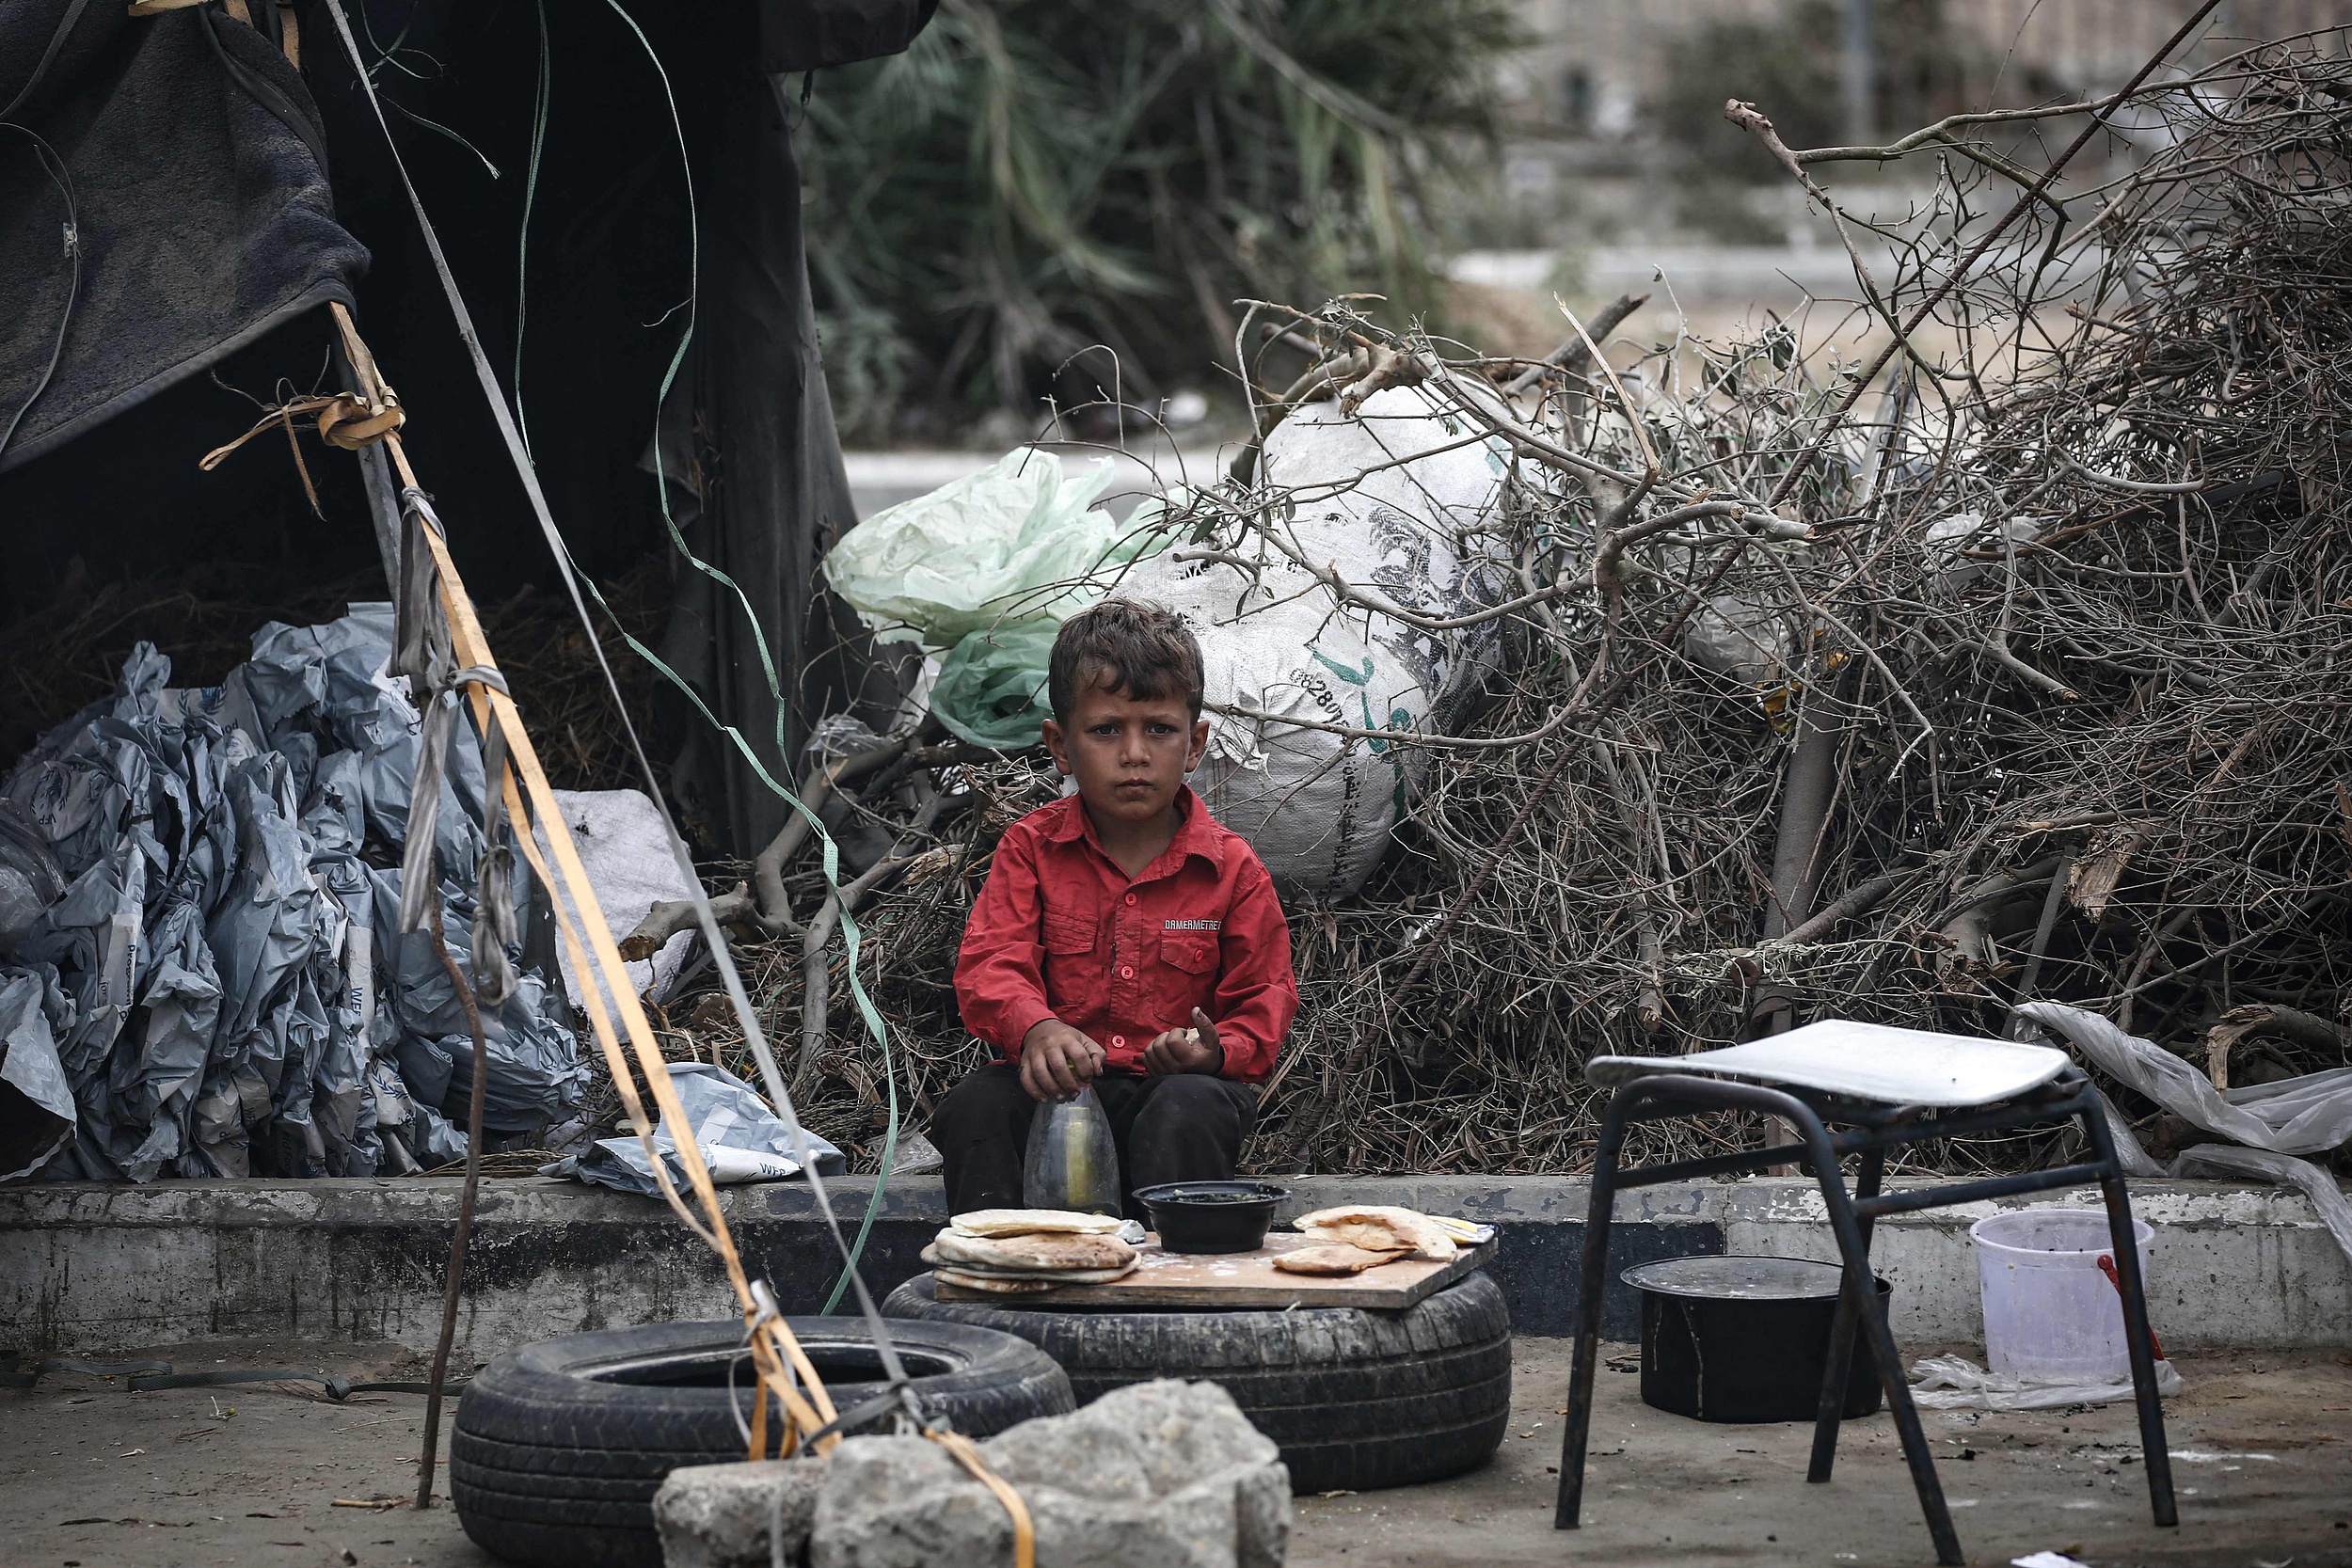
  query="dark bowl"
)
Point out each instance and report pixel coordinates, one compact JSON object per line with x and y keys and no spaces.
{"x":1212,"y":1216}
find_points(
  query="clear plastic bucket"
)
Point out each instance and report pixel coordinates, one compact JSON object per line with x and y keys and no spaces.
{"x":2050,"y":1314}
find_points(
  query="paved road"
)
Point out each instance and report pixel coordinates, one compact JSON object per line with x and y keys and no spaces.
{"x":101,"y":1478}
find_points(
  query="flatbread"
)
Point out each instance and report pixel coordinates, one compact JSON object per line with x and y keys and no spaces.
{"x":991,"y":1284}
{"x":1055,"y":1276}
{"x":1030,"y":1221}
{"x":1056,"y":1251}
{"x":1378,"y":1227}
{"x":1332,"y":1259}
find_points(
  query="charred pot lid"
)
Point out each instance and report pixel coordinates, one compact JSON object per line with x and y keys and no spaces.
{"x":1738,"y":1278}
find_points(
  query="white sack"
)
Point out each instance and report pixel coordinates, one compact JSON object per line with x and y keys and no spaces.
{"x":1389,"y":500}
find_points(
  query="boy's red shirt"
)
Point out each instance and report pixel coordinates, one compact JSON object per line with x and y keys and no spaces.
{"x":1060,"y":931}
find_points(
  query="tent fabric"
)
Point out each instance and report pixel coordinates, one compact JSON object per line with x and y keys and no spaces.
{"x":203,"y":216}
{"x":199,"y":175}
{"x":757,"y":483}
{"x":817,"y":35}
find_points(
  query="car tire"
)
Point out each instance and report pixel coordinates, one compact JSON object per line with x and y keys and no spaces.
{"x":1356,"y":1398}
{"x":560,"y":1445}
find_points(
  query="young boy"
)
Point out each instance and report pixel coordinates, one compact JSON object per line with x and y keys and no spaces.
{"x":1124,"y":939}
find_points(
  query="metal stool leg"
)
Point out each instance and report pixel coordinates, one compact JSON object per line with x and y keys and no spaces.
{"x":1842,"y":1336}
{"x":1594,"y":1283}
{"x":1881,"y":1339}
{"x":2155,"y":1457}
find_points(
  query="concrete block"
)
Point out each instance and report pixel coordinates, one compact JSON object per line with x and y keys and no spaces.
{"x":2228,"y":1267}
{"x":87,"y":1267}
{"x":725,"y":1515}
{"x":1160,"y":1475}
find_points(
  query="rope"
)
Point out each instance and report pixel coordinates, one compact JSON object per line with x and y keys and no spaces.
{"x":773,"y":1347}
{"x":853,"y":935}
{"x":505,"y":418}
{"x":342,"y":421}
{"x":518,"y":778}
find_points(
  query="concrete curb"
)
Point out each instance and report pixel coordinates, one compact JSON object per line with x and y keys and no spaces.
{"x":89,"y":1267}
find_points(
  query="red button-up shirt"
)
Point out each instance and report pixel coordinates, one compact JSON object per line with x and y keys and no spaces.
{"x":1060,"y":931}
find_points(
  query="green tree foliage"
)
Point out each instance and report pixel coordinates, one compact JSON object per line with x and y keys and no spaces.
{"x":1038,"y":176}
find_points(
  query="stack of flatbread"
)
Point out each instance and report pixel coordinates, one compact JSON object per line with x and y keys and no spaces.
{"x":1351,"y":1240}
{"x":1021,"y":1251}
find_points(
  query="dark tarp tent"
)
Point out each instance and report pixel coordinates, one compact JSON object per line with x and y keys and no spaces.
{"x":218,"y":197}
{"x":179,"y":201}
{"x":199,"y":218}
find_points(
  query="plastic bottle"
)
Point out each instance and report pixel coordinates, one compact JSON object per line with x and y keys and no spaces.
{"x":1073,"y":1163}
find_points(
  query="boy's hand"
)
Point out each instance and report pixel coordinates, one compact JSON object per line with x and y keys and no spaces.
{"x":1056,"y":1061}
{"x":1193,"y":1050}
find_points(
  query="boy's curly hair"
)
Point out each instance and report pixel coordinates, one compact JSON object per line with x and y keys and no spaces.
{"x":1124,"y":645}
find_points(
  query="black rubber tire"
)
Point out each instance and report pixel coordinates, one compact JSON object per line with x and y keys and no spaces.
{"x":559,"y":1446}
{"x":1356,"y":1398}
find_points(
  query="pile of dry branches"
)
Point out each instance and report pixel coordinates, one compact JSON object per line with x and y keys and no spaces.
{"x":2039,"y":607}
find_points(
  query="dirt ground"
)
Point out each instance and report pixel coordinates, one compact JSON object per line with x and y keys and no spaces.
{"x":250,"y":1477}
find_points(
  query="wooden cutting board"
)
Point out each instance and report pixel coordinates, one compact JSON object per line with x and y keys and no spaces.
{"x":1241,"y":1280}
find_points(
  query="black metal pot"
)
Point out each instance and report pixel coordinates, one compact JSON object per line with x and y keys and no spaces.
{"x":1744,"y":1339}
{"x":1212,"y":1216}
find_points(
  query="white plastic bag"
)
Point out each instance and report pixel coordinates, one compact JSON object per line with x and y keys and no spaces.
{"x":1731,"y":636}
{"x":1955,"y":1383}
{"x":2269,"y":1123}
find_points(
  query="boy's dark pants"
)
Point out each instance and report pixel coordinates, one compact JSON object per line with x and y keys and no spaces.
{"x":1187,"y":1127}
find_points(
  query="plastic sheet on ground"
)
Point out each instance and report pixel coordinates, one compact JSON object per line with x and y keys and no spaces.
{"x":2268,"y":1123}
{"x":221,"y":977}
{"x":1955,"y":1383}
{"x":741,"y":1140}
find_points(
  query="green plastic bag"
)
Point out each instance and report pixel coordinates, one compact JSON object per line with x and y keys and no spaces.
{"x":992,"y":686}
{"x":988,"y":548}
{"x":987,"y":567}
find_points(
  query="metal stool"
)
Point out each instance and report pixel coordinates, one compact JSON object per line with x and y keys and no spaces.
{"x":1886,"y":1088}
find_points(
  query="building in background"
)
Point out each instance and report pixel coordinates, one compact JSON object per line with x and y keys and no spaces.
{"x":1601,"y":69}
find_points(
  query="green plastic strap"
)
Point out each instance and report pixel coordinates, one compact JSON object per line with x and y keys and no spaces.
{"x":502,"y":415}
{"x":530,"y":196}
{"x":852,"y":936}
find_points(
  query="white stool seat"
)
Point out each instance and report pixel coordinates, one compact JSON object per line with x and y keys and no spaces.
{"x":1862,"y":1061}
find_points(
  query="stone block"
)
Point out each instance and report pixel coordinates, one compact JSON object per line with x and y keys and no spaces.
{"x":723,"y":1515}
{"x":1161,"y":1475}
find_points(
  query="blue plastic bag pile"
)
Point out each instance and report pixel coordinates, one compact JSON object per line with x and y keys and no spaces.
{"x":200,"y":968}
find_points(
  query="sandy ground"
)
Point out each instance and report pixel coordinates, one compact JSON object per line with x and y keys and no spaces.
{"x":249,"y":1476}
{"x":2262,"y":1448}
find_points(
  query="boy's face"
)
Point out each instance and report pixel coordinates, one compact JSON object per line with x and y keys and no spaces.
{"x":1129,"y":754}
